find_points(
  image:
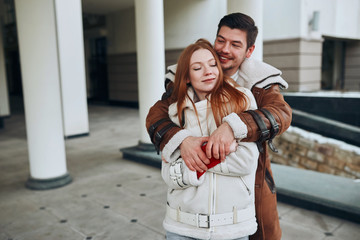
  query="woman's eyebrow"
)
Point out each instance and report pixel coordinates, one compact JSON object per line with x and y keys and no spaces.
{"x":203,"y":61}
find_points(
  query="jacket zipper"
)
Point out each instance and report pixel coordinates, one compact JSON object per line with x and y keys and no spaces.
{"x":247,"y":188}
{"x":213,"y":197}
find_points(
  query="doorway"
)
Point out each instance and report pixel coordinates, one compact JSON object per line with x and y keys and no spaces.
{"x":98,"y":70}
{"x":333,"y":61}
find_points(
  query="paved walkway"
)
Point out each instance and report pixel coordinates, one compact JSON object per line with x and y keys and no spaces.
{"x":110,"y":197}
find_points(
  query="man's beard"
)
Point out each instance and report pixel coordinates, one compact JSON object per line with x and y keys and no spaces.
{"x":227,"y":68}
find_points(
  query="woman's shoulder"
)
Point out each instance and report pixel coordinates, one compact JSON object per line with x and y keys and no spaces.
{"x":172,"y":110}
{"x":250,"y":96}
{"x":244,"y":90}
{"x":237,"y":86}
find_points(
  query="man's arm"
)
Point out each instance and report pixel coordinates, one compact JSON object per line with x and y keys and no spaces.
{"x":272,"y":100}
{"x":158,"y":119}
{"x":268,"y":98}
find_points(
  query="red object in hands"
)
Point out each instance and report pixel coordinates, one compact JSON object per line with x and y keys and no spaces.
{"x":213,"y":162}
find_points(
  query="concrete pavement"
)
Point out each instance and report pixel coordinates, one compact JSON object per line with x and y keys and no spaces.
{"x":110,"y":197}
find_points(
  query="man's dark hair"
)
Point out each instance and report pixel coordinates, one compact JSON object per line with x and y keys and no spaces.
{"x":242,"y":22}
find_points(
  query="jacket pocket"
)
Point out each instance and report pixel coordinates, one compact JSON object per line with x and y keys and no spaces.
{"x":245,"y":185}
{"x":270,"y":181}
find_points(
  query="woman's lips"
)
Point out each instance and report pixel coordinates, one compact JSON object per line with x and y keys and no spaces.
{"x":209,"y":80}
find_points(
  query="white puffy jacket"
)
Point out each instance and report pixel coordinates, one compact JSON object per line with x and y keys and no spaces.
{"x":224,"y":195}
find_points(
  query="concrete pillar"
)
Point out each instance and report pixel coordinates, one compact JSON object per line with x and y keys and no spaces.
{"x":41,"y":89}
{"x":149,"y":17}
{"x":4,"y":97}
{"x":72,"y":67}
{"x":253,"y":8}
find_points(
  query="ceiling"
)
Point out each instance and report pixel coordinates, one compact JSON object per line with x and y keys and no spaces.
{"x":105,"y":6}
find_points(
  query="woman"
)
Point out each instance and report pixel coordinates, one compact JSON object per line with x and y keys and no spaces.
{"x":219,"y":204}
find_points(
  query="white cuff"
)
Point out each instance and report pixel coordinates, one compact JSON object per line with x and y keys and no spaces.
{"x":237,"y":125}
{"x":176,"y":173}
{"x":171,"y":151}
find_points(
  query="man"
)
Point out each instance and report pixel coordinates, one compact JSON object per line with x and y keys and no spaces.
{"x":234,"y":45}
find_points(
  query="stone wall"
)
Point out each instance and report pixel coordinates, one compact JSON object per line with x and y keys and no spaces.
{"x":301,"y":149}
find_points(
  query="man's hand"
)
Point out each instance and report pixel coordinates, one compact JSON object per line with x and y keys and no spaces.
{"x":192,"y":154}
{"x":220,"y":141}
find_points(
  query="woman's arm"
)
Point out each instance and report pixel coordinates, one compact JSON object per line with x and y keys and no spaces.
{"x":239,"y":163}
{"x":178,"y":176}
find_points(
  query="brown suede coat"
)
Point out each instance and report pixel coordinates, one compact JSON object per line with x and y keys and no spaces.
{"x":265,"y":193}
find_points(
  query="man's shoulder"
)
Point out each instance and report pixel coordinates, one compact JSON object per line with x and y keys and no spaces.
{"x":255,"y":72}
{"x":171,"y":70}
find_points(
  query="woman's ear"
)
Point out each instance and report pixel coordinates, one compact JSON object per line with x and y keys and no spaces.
{"x":188,"y":81}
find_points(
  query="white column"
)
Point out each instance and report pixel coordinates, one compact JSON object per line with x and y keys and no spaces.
{"x":72,"y":66}
{"x":41,"y":89}
{"x":4,"y":97}
{"x":149,"y":17}
{"x":253,"y":8}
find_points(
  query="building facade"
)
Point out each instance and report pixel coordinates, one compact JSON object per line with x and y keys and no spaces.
{"x":58,"y":54}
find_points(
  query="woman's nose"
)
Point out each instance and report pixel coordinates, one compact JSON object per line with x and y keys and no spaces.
{"x":208,"y":71}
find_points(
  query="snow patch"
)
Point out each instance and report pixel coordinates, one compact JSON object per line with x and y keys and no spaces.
{"x":324,"y":140}
{"x":329,"y":94}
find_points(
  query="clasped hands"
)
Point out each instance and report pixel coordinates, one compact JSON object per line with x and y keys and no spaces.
{"x":219,"y":144}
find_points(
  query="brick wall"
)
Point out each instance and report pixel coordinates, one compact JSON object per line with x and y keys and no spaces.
{"x":301,"y":149}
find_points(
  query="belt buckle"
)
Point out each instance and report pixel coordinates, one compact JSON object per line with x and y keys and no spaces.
{"x":198,"y":216}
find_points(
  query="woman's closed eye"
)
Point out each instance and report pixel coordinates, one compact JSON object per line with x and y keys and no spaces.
{"x":213,"y":64}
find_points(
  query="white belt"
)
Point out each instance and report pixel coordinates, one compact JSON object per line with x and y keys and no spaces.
{"x":207,"y":221}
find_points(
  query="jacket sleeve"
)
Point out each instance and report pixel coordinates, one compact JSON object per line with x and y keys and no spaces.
{"x":239,"y":163}
{"x":268,"y":97}
{"x":272,"y":100}
{"x":244,"y":160}
{"x":158,"y":124}
{"x":178,"y":176}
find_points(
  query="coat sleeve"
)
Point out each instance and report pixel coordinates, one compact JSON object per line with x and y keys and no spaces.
{"x":268,"y":97}
{"x":157,"y":121}
{"x":244,"y":160}
{"x":239,"y":163}
{"x":178,"y":176}
{"x":271,"y":99}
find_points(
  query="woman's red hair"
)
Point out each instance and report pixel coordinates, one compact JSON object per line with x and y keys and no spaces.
{"x":224,"y":90}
